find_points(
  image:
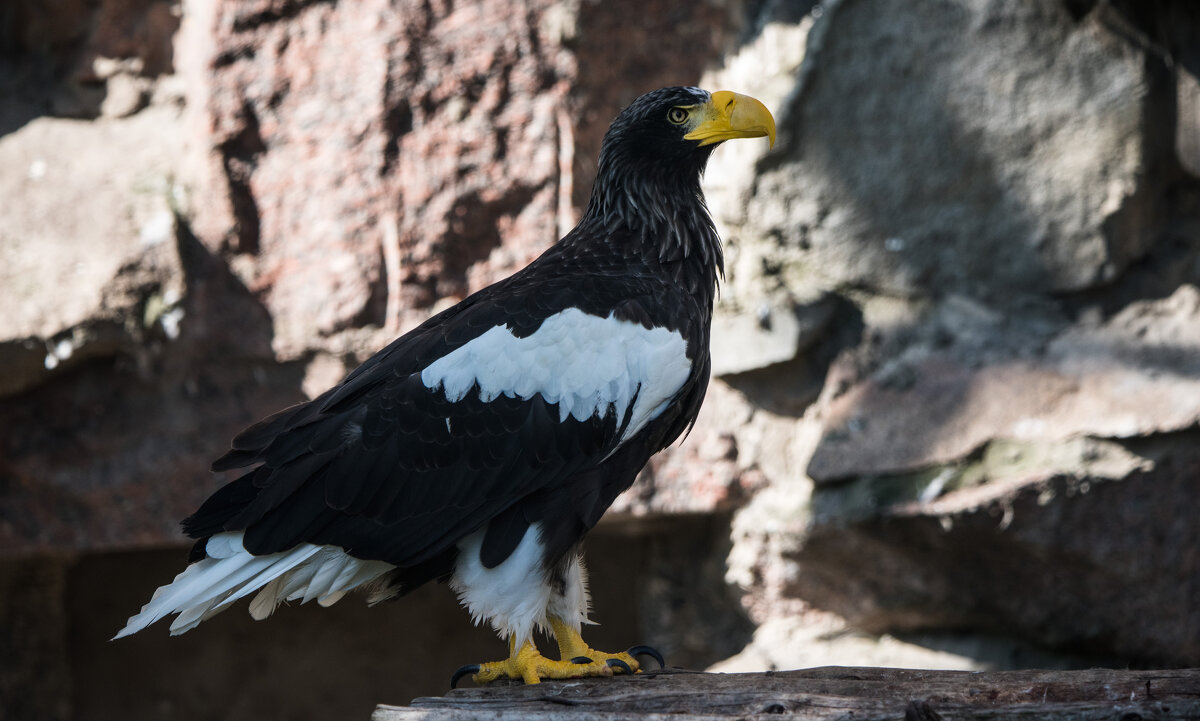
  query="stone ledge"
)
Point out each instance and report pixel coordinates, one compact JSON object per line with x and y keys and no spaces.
{"x":862,"y":694}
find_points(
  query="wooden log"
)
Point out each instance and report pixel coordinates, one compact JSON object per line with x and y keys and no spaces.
{"x":822,"y":694}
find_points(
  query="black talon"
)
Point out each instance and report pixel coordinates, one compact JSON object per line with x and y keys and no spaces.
{"x":636,"y":651}
{"x":581,"y":660}
{"x":616,"y":662}
{"x":465,"y":670}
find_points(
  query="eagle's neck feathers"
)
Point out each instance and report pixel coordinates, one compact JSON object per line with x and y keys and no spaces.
{"x":657,"y":212}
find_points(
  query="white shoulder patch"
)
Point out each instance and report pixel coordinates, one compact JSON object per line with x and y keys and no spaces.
{"x":584,"y":363}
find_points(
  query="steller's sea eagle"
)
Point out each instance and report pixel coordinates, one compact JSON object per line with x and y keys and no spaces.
{"x":481,"y":446}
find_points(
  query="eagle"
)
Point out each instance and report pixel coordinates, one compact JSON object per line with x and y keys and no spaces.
{"x":480,"y":447}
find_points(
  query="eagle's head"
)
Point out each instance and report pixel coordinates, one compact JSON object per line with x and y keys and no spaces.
{"x":682,"y":125}
{"x":648,"y":178}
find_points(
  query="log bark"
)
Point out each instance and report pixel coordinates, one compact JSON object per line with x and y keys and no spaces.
{"x":819,"y":694}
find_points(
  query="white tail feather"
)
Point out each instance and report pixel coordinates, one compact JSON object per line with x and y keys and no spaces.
{"x":191,"y":617}
{"x":267,"y":600}
{"x":256,"y":576}
{"x":330,"y":598}
{"x":322,"y":581}
{"x":230,"y":572}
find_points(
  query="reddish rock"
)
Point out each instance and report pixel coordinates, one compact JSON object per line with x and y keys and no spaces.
{"x":141,"y":29}
{"x":81,"y":54}
{"x":355,"y":165}
{"x":703,"y":473}
{"x":376,"y":159}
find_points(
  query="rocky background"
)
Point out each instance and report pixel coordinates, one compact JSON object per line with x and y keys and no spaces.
{"x":956,"y":414}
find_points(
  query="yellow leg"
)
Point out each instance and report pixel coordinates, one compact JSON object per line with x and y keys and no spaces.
{"x":571,"y":645}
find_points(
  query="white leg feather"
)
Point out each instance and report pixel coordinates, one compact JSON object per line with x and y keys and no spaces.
{"x":516,"y":596}
{"x":574,"y":604}
{"x":512,"y":596}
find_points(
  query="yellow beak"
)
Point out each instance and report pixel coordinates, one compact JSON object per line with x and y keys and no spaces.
{"x":730,"y":115}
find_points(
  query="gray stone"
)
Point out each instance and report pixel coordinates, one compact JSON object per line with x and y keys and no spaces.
{"x":1137,"y":374}
{"x":931,"y":148}
{"x":77,"y":264}
{"x":125,"y":94}
{"x":990,"y":450}
{"x":768,"y":336}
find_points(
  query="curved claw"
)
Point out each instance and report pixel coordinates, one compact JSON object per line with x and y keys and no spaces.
{"x":581,"y":660}
{"x":636,"y":651}
{"x":471,"y":668}
{"x":618,"y":663}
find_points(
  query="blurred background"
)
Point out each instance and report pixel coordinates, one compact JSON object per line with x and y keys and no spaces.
{"x":954,"y":415}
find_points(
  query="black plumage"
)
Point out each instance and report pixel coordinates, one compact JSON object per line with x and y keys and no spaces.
{"x":391,"y":468}
{"x":408,"y":489}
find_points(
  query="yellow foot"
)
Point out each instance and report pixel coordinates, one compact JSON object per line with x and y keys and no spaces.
{"x":531,"y":666}
{"x":578,"y":661}
{"x":572,"y":647}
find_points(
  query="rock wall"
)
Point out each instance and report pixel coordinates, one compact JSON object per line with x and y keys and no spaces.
{"x":957,"y":395}
{"x":307,"y":180}
{"x":981,"y":216}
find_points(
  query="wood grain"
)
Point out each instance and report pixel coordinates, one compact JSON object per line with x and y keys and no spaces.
{"x":861,"y":694}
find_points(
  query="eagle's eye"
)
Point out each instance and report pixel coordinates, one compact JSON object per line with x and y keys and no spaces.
{"x":677,"y":116}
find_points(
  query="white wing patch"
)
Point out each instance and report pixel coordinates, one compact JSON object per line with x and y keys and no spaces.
{"x":584,"y":363}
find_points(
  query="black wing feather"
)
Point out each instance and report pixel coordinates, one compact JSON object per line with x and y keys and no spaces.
{"x":371,"y":466}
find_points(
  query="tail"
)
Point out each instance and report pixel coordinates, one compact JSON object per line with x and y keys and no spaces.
{"x":229,"y":572}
